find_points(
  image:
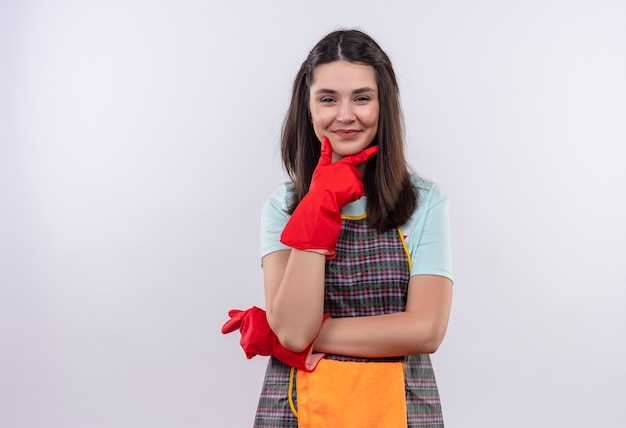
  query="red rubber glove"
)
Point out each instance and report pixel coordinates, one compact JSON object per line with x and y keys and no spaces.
{"x":316,"y":222}
{"x":257,"y":338}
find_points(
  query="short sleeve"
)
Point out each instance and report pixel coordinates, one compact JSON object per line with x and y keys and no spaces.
{"x":427,"y":233}
{"x":274,"y":217}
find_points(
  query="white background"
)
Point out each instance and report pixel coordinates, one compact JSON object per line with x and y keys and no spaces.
{"x":139,"y":139}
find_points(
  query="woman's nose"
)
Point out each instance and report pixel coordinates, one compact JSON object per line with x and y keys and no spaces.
{"x":345,"y":113}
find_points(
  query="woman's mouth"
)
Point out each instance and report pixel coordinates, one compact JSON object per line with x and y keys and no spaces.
{"x":346,"y":133}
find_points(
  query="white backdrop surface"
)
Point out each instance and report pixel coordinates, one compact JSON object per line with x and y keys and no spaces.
{"x":139,"y":139}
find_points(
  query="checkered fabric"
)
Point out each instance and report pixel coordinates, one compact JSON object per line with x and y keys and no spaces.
{"x":369,"y":276}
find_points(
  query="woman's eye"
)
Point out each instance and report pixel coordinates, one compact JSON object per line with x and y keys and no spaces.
{"x":362,"y":98}
{"x":327,"y":100}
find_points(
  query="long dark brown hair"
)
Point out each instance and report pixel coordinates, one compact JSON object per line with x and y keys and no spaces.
{"x":391,"y":198}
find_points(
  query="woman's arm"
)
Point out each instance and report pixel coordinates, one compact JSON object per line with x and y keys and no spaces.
{"x":294,"y":280}
{"x":420,"y":329}
{"x":294,"y":296}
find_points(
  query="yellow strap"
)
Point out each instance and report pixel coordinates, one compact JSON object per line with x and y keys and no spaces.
{"x":353,"y":217}
{"x":290,"y":392}
{"x":406,"y":249}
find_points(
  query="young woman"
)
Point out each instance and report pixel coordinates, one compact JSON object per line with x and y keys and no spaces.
{"x":356,"y":256}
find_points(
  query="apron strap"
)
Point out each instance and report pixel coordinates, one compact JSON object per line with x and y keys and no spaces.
{"x":290,"y":392}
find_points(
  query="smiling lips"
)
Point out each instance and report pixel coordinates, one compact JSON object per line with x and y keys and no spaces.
{"x":346,"y":133}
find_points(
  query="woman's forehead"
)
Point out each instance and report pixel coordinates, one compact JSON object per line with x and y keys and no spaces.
{"x":343,"y":74}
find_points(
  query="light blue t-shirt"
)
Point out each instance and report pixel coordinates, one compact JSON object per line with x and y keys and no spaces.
{"x":426,"y":233}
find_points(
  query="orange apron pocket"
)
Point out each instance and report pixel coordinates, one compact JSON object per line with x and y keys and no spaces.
{"x":352,"y":394}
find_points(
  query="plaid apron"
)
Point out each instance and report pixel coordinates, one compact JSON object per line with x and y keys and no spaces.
{"x":369,"y":276}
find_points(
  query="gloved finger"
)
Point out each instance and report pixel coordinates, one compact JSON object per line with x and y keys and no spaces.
{"x":234,"y":322}
{"x":231,"y":325}
{"x":234,"y":312}
{"x":326,"y":155}
{"x":362,"y":156}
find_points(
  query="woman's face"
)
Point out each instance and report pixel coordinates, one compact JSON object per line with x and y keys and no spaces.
{"x":344,"y":106}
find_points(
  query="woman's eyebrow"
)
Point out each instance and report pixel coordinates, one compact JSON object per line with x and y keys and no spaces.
{"x":356,"y":91}
{"x":363,"y":90}
{"x":325,"y":91}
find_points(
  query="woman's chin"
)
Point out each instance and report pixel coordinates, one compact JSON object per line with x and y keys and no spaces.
{"x":342,"y":150}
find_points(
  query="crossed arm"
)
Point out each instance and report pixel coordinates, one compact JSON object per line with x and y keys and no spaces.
{"x":294,"y":298}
